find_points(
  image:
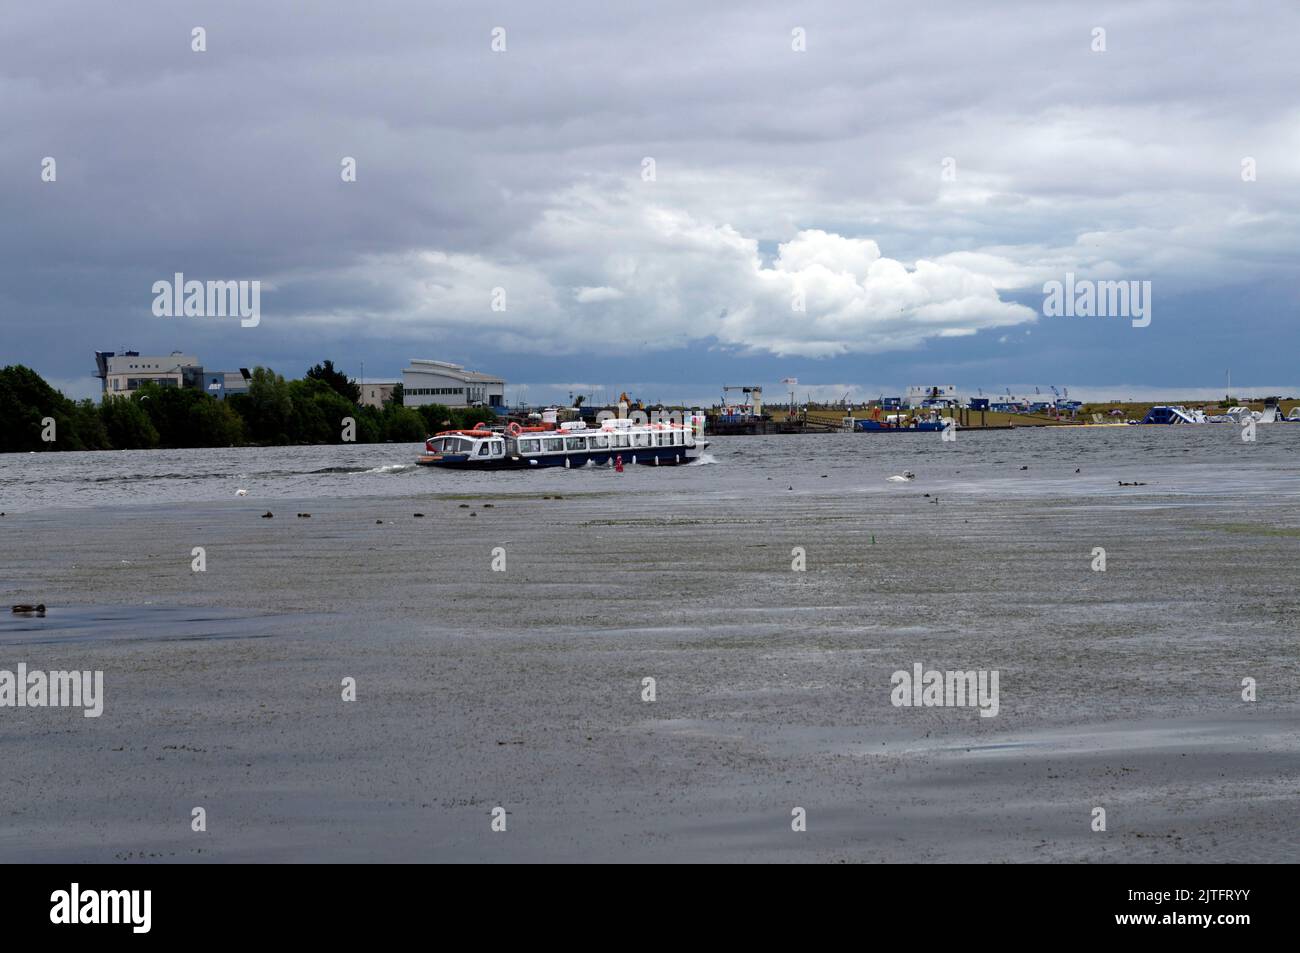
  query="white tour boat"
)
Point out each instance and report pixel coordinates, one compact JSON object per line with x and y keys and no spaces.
{"x":614,"y":442}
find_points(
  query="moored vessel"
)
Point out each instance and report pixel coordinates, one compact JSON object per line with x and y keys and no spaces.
{"x":920,"y":422}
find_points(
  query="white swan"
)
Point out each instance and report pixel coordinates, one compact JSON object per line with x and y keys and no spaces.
{"x":907,"y":475}
{"x":241,"y":492}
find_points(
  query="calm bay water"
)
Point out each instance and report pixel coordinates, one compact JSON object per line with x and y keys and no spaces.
{"x":1177,"y":461}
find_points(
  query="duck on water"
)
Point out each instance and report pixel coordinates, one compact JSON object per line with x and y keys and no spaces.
{"x":571,"y":444}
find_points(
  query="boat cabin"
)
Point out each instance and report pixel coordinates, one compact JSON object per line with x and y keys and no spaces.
{"x":570,"y":444}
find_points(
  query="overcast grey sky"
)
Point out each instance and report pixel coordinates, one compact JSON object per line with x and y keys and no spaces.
{"x":776,"y":172}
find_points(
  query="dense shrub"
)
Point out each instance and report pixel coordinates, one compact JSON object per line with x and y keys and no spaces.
{"x":273,"y":412}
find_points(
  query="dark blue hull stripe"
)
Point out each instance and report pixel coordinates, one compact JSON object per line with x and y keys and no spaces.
{"x":645,"y":456}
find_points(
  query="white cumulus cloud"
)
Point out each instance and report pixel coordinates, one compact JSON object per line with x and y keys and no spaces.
{"x":590,"y":295}
{"x":665,"y":278}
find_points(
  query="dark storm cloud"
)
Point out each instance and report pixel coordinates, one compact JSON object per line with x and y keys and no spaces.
{"x":522,"y":169}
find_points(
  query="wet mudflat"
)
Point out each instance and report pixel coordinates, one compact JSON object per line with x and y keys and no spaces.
{"x":523,"y":688}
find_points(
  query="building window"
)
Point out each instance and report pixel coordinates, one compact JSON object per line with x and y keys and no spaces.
{"x":434,"y":391}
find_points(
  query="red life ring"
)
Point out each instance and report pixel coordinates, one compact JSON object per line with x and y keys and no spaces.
{"x":514,"y":429}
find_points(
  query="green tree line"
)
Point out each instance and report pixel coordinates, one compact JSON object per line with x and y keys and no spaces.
{"x":274,"y":412}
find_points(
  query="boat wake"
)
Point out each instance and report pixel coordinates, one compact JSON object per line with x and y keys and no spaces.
{"x":703,"y":460}
{"x":389,"y":468}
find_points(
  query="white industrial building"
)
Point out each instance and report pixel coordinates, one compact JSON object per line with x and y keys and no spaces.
{"x":122,"y":374}
{"x":440,"y":382}
{"x":377,"y":393}
{"x":126,"y":372}
{"x":933,"y":395}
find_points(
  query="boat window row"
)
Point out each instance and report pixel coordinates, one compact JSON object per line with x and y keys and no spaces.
{"x":465,"y":445}
{"x":603,"y":441}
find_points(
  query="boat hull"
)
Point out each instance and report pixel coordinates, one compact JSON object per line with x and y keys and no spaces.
{"x":875,"y":426}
